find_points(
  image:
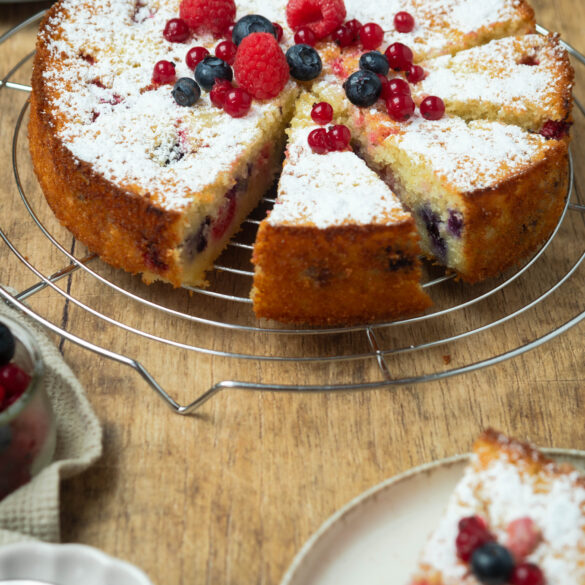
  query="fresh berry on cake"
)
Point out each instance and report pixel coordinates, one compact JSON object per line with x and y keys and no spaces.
{"x":516,"y":518}
{"x":338,"y":246}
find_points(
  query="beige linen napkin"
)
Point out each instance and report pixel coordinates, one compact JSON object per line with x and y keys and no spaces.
{"x":32,"y":511}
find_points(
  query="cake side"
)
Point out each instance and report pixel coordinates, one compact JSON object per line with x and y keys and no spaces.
{"x":337,"y":248}
{"x":527,"y":503}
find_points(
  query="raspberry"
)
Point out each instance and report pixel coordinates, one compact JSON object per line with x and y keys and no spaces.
{"x":321,"y":16}
{"x":214,"y":16}
{"x":261,"y":67}
{"x":523,"y":536}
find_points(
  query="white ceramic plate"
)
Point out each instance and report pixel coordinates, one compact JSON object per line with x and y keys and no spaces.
{"x":377,"y":537}
{"x":66,"y":564}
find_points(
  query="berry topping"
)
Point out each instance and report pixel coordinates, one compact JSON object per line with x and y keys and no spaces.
{"x":375,"y":61}
{"x":14,"y":380}
{"x":305,"y":36}
{"x":371,"y":36}
{"x":343,"y":36}
{"x":400,"y":107}
{"x":363,"y":88}
{"x":403,"y":22}
{"x":237,"y":102}
{"x":304,"y":62}
{"x":492,"y":564}
{"x":432,"y":108}
{"x":210,"y":69}
{"x":226,"y":50}
{"x":385,"y":93}
{"x":338,"y":137}
{"x":163,"y":72}
{"x":523,"y":537}
{"x":261,"y":67}
{"x":415,"y":73}
{"x":7,"y":344}
{"x":186,"y":92}
{"x":322,"y":113}
{"x":398,"y":85}
{"x":208,"y":16}
{"x":278,"y":31}
{"x":354,"y":27}
{"x":555,"y":129}
{"x":318,"y":141}
{"x":527,"y":574}
{"x":195,"y":56}
{"x":219,"y":91}
{"x":399,"y":56}
{"x":321,"y":16}
{"x":252,"y":23}
{"x":473,"y":533}
{"x":176,"y":30}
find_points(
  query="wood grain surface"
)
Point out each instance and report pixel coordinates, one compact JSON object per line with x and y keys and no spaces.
{"x":229,"y":495}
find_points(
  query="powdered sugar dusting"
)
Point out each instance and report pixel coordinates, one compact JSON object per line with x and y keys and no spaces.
{"x":439,"y":24}
{"x":330,"y":189}
{"x":469,"y":156}
{"x":516,"y":74}
{"x":133,"y":133}
{"x":502,"y":492}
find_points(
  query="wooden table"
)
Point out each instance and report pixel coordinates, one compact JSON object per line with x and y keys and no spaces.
{"x":228,"y":496}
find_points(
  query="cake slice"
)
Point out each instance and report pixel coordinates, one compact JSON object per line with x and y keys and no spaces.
{"x":338,"y":247}
{"x":441,"y":28}
{"x":525,"y":81}
{"x":151,"y":186}
{"x":484,"y":194}
{"x":515,"y":517}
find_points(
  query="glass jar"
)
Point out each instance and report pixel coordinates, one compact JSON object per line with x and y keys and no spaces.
{"x":27,"y":426}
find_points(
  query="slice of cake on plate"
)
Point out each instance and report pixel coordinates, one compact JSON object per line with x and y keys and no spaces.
{"x":515,"y":518}
{"x":338,"y":247}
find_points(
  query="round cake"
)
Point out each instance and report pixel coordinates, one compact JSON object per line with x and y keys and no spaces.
{"x":156,"y":126}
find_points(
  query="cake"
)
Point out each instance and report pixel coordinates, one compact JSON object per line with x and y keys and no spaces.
{"x":158,"y":188}
{"x":338,"y":247}
{"x":516,"y":517}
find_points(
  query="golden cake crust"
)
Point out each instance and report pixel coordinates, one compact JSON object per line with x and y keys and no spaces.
{"x":341,"y":274}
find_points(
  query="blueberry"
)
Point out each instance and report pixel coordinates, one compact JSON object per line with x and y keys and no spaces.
{"x":253,"y":23}
{"x":210,"y":69}
{"x":363,"y":88}
{"x":492,"y":564}
{"x":7,"y":345}
{"x":375,"y":61}
{"x":186,"y":92}
{"x":304,"y":62}
{"x":455,"y":223}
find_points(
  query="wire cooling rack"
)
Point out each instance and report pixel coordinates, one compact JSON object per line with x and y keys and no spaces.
{"x":399,"y":349}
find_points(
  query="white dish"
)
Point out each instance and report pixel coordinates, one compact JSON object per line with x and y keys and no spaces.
{"x":377,"y":537}
{"x":66,"y":564}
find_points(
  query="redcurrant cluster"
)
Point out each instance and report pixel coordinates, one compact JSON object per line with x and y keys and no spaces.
{"x":321,"y":140}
